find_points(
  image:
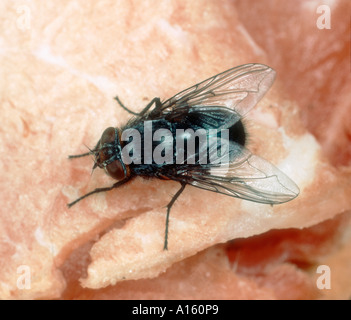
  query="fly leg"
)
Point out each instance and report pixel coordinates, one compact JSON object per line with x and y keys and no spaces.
{"x":169,"y":206}
{"x":155,"y":101}
{"x":97,"y":190}
{"x":85,"y":154}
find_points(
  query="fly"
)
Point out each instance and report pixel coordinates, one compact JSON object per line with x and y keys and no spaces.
{"x":181,"y":138}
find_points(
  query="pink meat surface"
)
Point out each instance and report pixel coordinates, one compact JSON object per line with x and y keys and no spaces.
{"x":61,"y":66}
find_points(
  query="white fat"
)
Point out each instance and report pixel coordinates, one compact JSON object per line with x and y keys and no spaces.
{"x":256,"y":48}
{"x":174,"y":31}
{"x":104,"y":84}
{"x":266,"y":119}
{"x":39,"y":236}
{"x":300,"y":163}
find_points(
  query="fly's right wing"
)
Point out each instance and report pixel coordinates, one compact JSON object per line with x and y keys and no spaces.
{"x":238,"y":89}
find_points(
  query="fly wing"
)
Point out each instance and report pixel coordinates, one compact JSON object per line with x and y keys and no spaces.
{"x":239,"y":89}
{"x":244,"y":176}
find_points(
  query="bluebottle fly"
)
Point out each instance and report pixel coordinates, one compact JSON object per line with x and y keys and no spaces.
{"x":215,"y":105}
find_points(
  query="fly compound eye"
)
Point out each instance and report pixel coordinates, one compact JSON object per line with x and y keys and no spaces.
{"x":108,"y":136}
{"x":105,"y":152}
{"x":115,"y":170}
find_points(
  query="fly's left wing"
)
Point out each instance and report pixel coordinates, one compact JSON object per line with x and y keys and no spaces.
{"x":244,"y":176}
